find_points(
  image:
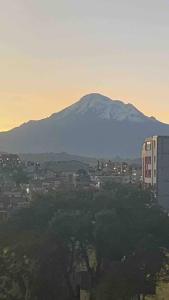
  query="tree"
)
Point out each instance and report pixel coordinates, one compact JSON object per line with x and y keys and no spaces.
{"x":16,"y":276}
{"x":118,"y":237}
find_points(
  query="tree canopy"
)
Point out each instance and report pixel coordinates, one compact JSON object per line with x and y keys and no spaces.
{"x":114,"y":241}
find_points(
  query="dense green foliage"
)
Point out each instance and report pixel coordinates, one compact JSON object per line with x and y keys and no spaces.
{"x":117,"y":239}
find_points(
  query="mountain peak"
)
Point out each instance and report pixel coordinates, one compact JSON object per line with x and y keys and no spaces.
{"x":98,"y":98}
{"x":94,"y":126}
{"x":104,"y":108}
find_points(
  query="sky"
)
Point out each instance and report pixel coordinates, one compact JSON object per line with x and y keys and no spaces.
{"x":52,"y":52}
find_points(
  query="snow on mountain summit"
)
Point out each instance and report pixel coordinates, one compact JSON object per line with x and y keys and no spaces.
{"x":95,"y":126}
{"x":105,"y":108}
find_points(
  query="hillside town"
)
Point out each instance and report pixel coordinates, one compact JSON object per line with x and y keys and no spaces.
{"x":21,"y":180}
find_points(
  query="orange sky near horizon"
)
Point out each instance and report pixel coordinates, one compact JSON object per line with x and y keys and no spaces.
{"x":41,"y":106}
{"x":54,"y":52}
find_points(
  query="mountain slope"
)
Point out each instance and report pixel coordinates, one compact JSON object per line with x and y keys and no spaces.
{"x":104,"y":108}
{"x":94,"y":126}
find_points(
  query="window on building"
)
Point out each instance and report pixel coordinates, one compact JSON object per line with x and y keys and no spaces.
{"x":148,"y":160}
{"x":148,"y":173}
{"x":148,"y":146}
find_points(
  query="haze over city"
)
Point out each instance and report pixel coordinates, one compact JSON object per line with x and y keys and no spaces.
{"x":53,"y":52}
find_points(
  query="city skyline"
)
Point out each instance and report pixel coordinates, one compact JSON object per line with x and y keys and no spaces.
{"x":52,"y":53}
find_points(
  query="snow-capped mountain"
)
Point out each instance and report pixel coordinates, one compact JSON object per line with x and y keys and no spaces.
{"x":104,"y":108}
{"x":94,"y":126}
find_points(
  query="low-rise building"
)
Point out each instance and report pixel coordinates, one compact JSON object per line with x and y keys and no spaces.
{"x":9,"y":160}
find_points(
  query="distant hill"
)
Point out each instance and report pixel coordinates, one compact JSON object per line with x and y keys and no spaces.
{"x":56,"y":157}
{"x":95,"y":126}
{"x":66,"y":166}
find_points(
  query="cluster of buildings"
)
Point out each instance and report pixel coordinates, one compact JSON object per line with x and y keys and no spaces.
{"x":20,"y":180}
{"x":12,"y":195}
{"x":9,"y":160}
{"x":118,"y":171}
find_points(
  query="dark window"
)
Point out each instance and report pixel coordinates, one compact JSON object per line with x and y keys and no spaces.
{"x":148,"y":173}
{"x":148,"y":160}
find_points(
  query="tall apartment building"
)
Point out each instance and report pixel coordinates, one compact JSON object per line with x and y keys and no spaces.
{"x":155,"y":167}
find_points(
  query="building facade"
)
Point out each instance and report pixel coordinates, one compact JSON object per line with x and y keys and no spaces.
{"x":155,"y":167}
